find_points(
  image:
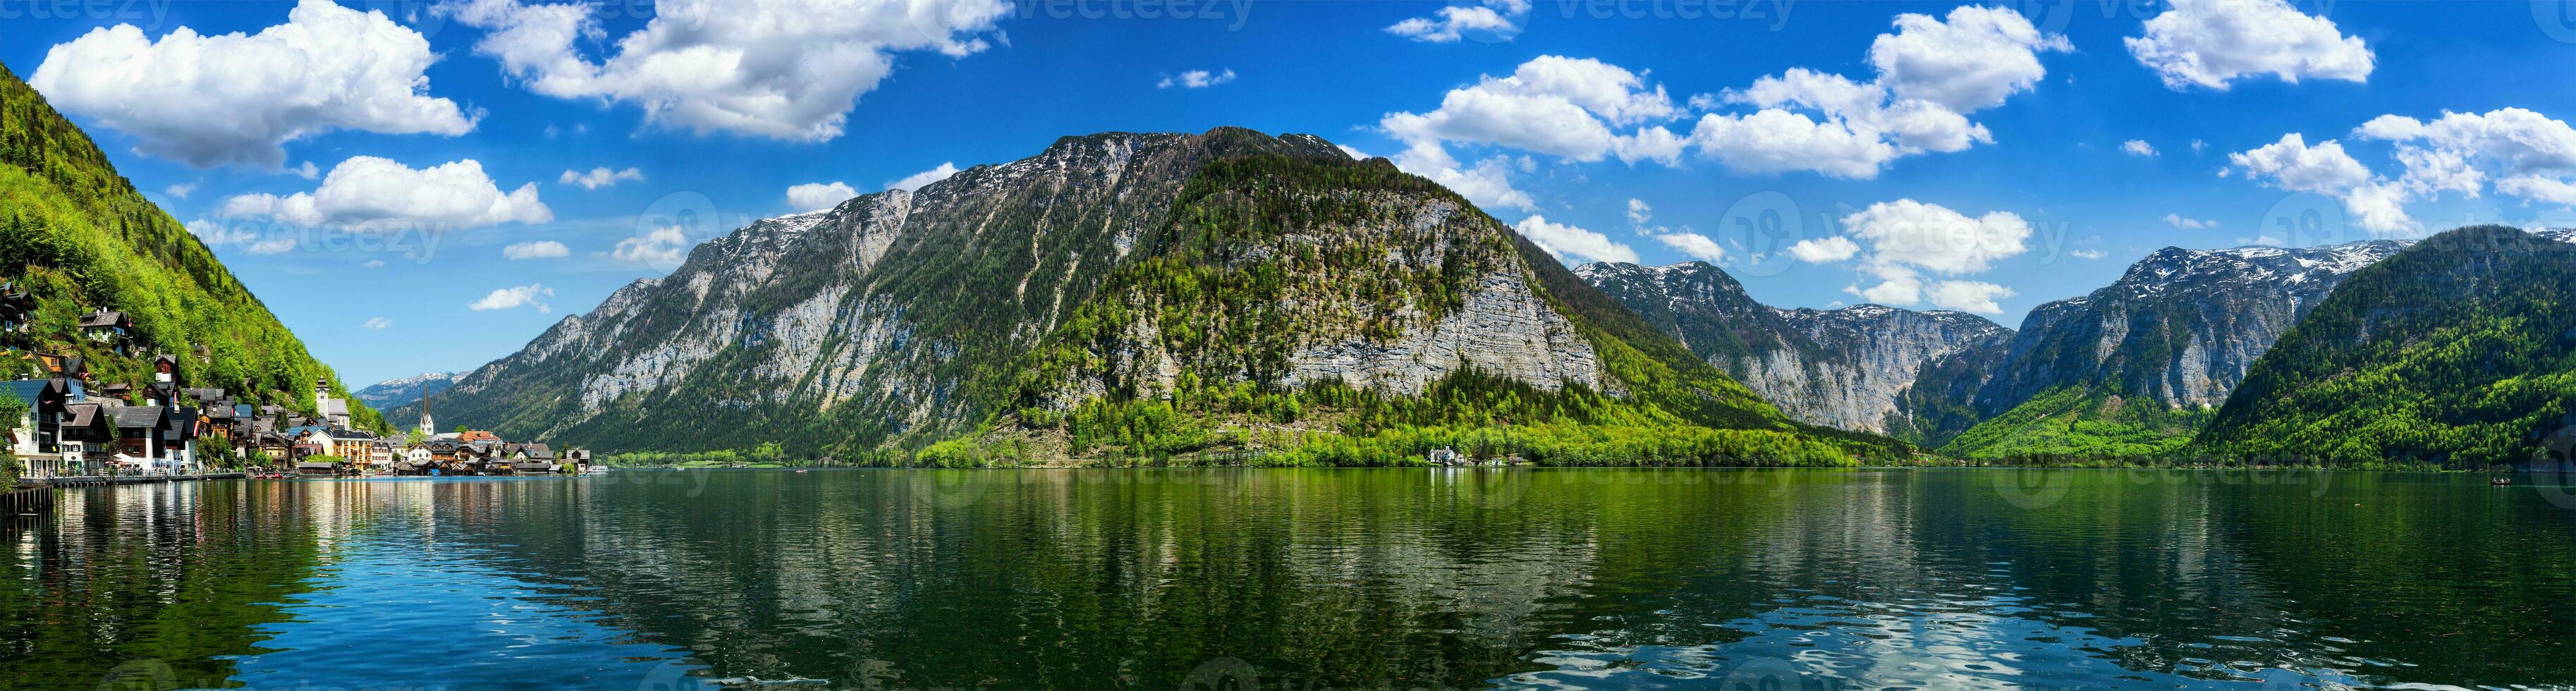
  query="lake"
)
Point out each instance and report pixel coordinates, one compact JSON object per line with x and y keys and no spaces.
{"x":1293,"y":578}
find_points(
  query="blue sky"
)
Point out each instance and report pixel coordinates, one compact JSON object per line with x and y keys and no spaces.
{"x":1984,"y":165}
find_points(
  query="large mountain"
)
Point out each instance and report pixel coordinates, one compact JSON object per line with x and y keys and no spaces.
{"x":1853,"y":368}
{"x":77,"y":237}
{"x":2134,"y":368}
{"x":403,"y":391}
{"x":1148,"y":293}
{"x":2458,"y":351}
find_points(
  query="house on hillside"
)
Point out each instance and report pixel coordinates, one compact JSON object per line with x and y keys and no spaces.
{"x":110,"y":328}
{"x":17,"y":309}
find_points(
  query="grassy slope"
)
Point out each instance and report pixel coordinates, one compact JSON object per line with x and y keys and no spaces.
{"x":82,"y":238}
{"x":2455,"y":352}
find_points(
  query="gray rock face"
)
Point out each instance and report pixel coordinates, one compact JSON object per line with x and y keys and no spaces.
{"x":1843,"y":368}
{"x":2181,"y":327}
{"x":901,"y":313}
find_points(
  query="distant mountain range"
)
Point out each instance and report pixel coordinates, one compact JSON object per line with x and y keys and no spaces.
{"x":1158,"y":294}
{"x":393,"y":393}
{"x":2135,"y":369}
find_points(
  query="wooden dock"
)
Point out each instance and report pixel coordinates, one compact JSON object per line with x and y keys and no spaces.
{"x":26,"y":500}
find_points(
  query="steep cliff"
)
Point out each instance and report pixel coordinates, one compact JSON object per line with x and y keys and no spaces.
{"x":2134,"y":368}
{"x":1114,"y":281}
{"x":1847,"y":368}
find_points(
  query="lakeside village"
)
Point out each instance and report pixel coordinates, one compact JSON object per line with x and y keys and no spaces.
{"x":73,"y":430}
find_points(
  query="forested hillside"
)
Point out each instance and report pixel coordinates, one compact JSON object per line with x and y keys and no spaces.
{"x":79,"y":237}
{"x":2458,"y":352}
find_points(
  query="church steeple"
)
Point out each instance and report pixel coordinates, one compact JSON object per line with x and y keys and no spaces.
{"x":428,"y":427}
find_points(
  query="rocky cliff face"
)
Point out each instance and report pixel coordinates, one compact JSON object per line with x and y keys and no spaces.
{"x":1846,"y":368}
{"x":2179,"y":329}
{"x":1112,"y":265}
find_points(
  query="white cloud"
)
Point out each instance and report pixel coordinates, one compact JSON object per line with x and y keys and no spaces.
{"x":2209,"y":43}
{"x":1696,"y":245}
{"x":2179,"y":221}
{"x":916,"y":180}
{"x":373,"y":263}
{"x":181,"y":190}
{"x":305,"y":170}
{"x":1500,"y":19}
{"x":1933,"y":237}
{"x":1974,"y":60}
{"x":1639,"y":213}
{"x":1569,"y":242}
{"x":663,"y":247}
{"x":1824,"y":250}
{"x":1488,"y":184}
{"x":378,"y":323}
{"x":1553,"y":105}
{"x":1930,"y":74}
{"x":1969,"y":296}
{"x":275,"y":245}
{"x":598,"y":177}
{"x":2086,"y":254}
{"x":537,"y":249}
{"x":817,"y":196}
{"x":2295,"y":166}
{"x":787,"y":69}
{"x":514,"y":297}
{"x":2137,"y":147}
{"x":1195,"y":79}
{"x":2197,"y":146}
{"x":238,"y":98}
{"x":370,"y":190}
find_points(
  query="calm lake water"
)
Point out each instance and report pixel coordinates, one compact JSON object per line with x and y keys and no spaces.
{"x":1300,"y":578}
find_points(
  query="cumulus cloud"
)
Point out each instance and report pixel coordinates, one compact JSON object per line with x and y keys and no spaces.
{"x":1488,"y":183}
{"x":2293,"y":165}
{"x":1639,"y":213}
{"x":1195,"y":79}
{"x":786,"y":69}
{"x":370,"y":190}
{"x":663,"y":247}
{"x":2137,"y":147}
{"x":1572,"y":244}
{"x":1696,"y":245}
{"x":378,"y":323}
{"x":1935,"y":238}
{"x":817,"y":196}
{"x":916,"y":180}
{"x":181,"y":190}
{"x":1907,"y":238}
{"x":1824,"y":250}
{"x":238,"y":98}
{"x":598,"y":177}
{"x":529,"y":295}
{"x":1554,"y":105}
{"x":1931,"y":73}
{"x":1499,"y":19}
{"x":538,"y":249}
{"x":2210,"y":43}
{"x":1969,"y":296}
